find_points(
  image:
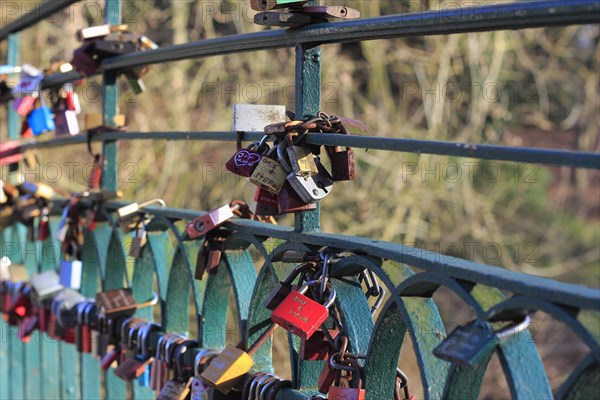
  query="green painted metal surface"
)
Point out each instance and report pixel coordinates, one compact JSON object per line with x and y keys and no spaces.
{"x":49,"y":348}
{"x":583,"y":383}
{"x":12,"y":58}
{"x":110,"y":93}
{"x":308,"y":102}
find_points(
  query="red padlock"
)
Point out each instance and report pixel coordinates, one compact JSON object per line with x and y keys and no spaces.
{"x":44,"y":316}
{"x":300,"y":315}
{"x":110,"y":358}
{"x":355,"y":390}
{"x":24,"y":105}
{"x":264,"y":203}
{"x":27,"y":327}
{"x":290,"y":202}
{"x":318,"y":346}
{"x":206,"y":223}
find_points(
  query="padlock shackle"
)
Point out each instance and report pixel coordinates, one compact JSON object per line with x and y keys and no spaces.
{"x":514,"y":328}
{"x":180,"y":355}
{"x":307,"y":266}
{"x":198,"y":361}
{"x":332,"y":293}
{"x":281,"y":158}
{"x":150,"y":302}
{"x":143,"y":345}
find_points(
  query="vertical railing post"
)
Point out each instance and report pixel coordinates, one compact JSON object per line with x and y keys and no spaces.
{"x":115,"y":388}
{"x":112,"y":15}
{"x":13,"y":366}
{"x":308,"y":102}
{"x":12,"y":118}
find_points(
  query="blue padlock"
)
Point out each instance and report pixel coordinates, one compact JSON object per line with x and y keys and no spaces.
{"x":40,"y":120}
{"x":144,"y":378}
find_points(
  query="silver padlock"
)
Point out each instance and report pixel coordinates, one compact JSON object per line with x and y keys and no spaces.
{"x":311,"y":189}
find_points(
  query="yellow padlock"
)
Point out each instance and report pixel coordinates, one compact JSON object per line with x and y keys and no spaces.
{"x":225,"y":370}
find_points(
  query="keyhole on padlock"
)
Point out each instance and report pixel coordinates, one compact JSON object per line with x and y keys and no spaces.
{"x":321,"y":186}
{"x":199,"y":226}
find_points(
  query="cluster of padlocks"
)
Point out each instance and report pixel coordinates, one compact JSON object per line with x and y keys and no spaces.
{"x":288,"y":174}
{"x":292,"y":13}
{"x":56,"y":109}
{"x":175,"y":366}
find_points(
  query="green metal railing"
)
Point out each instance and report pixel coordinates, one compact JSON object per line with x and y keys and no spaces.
{"x":47,"y":369}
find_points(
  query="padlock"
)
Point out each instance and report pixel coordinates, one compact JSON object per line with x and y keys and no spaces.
{"x":225,"y":370}
{"x":402,"y":386}
{"x":139,"y":240}
{"x":116,"y":303}
{"x":37,"y":189}
{"x":300,"y":315}
{"x":262,"y":202}
{"x":5,"y":269}
{"x":318,"y":347}
{"x":314,"y":188}
{"x":285,"y":19}
{"x":83,"y":339}
{"x":70,"y":273}
{"x":329,"y":374}
{"x":110,"y":359}
{"x":27,"y":327}
{"x":107,"y":47}
{"x":329,"y":12}
{"x":290,"y":202}
{"x":284,"y":288}
{"x":343,"y":167}
{"x":301,"y":159}
{"x":354,"y":391}
{"x":65,"y":122}
{"x":46,"y":284}
{"x":263,"y":5}
{"x":132,"y":209}
{"x":133,"y":368}
{"x":135,"y":81}
{"x":98,"y":31}
{"x":269,"y":175}
{"x":158,"y":369}
{"x":24,"y":105}
{"x":468,"y":344}
{"x":175,"y":389}
{"x":206,"y":223}
{"x":44,"y":316}
{"x":85,"y":60}
{"x":354,"y":127}
{"x":209,"y":256}
{"x":40,"y":120}
{"x":44,"y":226}
{"x":244,"y":161}
{"x":6,"y":94}
{"x":64,"y":306}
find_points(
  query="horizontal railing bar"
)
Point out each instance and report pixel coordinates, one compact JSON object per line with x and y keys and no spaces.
{"x":45,"y":10}
{"x":576,"y":159}
{"x":571,"y":295}
{"x":518,"y":15}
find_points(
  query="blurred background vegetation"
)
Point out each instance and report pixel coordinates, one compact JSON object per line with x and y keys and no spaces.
{"x":536,"y":87}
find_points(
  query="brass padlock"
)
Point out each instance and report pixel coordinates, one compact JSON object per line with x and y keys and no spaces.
{"x":269,"y":175}
{"x":225,"y":370}
{"x":301,"y":159}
